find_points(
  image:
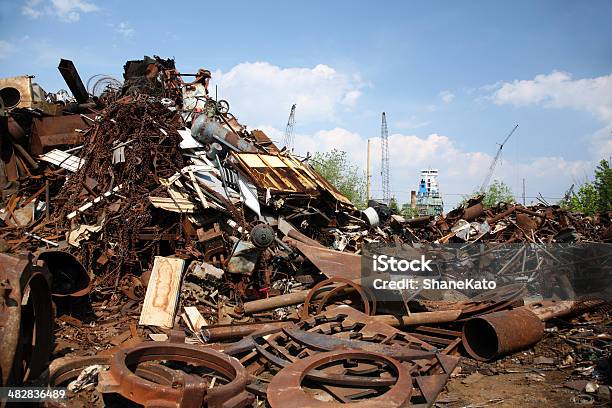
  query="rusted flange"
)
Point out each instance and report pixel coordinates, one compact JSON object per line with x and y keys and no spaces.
{"x":492,"y":335}
{"x":368,"y":310}
{"x":187,"y":390}
{"x":66,"y":369}
{"x":285,"y":389}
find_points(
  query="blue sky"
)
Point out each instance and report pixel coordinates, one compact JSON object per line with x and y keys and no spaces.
{"x":453,"y":77}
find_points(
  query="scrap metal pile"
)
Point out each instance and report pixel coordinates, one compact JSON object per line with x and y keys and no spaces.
{"x":193,"y":262}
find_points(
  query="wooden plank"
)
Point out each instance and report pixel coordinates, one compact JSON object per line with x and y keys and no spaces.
{"x":162,"y":293}
{"x":179,"y":205}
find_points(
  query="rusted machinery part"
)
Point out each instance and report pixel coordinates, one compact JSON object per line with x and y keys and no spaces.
{"x":239,"y":330}
{"x":36,"y":326}
{"x":26,"y":319}
{"x":492,"y":335}
{"x":187,"y":390}
{"x":66,"y":369}
{"x":492,"y":300}
{"x":323,"y":342}
{"x":70,"y":276}
{"x":328,"y":378}
{"x":285,"y":389}
{"x":369,"y":310}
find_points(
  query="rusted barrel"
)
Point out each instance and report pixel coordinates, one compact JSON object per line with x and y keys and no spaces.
{"x":492,"y":335}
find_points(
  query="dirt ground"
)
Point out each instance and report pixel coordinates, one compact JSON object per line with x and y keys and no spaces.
{"x":540,"y":377}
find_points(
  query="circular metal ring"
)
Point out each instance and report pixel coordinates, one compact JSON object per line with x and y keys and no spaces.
{"x":366,"y":303}
{"x":190,"y":391}
{"x":286,"y":390}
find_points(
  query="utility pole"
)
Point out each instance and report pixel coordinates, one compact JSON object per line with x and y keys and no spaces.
{"x":523,"y":192}
{"x":384,"y":143}
{"x":289,"y":129}
{"x":368,"y":171}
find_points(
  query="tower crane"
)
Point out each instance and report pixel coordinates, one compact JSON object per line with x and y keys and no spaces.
{"x":384,"y":171}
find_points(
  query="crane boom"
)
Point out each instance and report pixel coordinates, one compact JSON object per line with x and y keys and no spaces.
{"x":487,"y":179}
{"x":289,"y":129}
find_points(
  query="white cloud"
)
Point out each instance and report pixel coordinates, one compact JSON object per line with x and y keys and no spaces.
{"x":32,"y":8}
{"x":263,"y":93}
{"x":461,"y":171}
{"x":6,"y":48}
{"x":125,"y":29}
{"x":558,"y":90}
{"x":66,"y":10}
{"x":447,"y":96}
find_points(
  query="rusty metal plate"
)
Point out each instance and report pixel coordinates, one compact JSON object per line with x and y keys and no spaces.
{"x":48,"y":132}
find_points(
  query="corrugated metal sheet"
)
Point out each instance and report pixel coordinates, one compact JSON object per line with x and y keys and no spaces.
{"x":284,"y":174}
{"x":63,"y":159}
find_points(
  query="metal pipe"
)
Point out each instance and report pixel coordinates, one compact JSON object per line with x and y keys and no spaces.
{"x":442,"y":316}
{"x":73,"y":80}
{"x":495,"y":334}
{"x":231,"y":331}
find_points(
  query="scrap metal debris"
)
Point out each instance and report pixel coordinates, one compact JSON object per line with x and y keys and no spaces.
{"x":170,"y":220}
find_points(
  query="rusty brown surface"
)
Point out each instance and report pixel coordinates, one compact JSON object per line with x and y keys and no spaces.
{"x":26,"y":320}
{"x":285,"y":174}
{"x":186,"y":391}
{"x":285,"y":389}
{"x":51,"y":132}
{"x":495,"y":334}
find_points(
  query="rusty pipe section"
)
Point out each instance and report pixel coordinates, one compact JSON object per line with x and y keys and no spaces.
{"x":73,"y":80}
{"x":232,"y":331}
{"x":440,"y":316}
{"x":492,"y":335}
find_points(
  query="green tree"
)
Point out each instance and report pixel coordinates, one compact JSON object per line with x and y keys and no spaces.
{"x":592,"y":197}
{"x":603,"y":185}
{"x":586,"y":200}
{"x":497,"y":192}
{"x":349,"y":179}
{"x":408,"y":212}
{"x":393,"y":205}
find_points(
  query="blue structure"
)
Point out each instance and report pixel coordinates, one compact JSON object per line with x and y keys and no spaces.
{"x":429,"y":201}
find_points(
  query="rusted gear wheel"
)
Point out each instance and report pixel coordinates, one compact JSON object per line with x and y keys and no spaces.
{"x":285,"y":389}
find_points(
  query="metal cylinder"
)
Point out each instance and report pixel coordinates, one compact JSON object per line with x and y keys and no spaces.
{"x":495,"y":334}
{"x":371,"y":216}
{"x":473,"y":212}
{"x":206,"y":130}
